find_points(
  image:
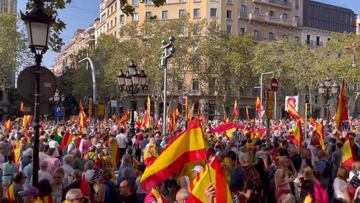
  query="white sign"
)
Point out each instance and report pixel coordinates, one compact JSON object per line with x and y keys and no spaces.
{"x":292,"y":100}
{"x":113,"y":103}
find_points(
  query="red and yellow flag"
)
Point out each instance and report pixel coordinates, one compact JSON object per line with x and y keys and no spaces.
{"x":347,"y":153}
{"x":147,"y":119}
{"x":297,"y":137}
{"x":186,"y":108}
{"x":259,"y":107}
{"x":187,"y":147}
{"x":82,"y":116}
{"x":66,"y":140}
{"x":319,"y":132}
{"x":211,"y":174}
{"x":8,"y":125}
{"x":174,"y":117}
{"x":150,"y":154}
{"x":10,"y":194}
{"x":229,"y":128}
{"x":236,"y":110}
{"x":293,"y":113}
{"x":26,"y":121}
{"x":123,"y":119}
{"x":342,"y":110}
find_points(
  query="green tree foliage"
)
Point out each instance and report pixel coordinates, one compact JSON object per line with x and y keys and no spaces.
{"x":13,"y":49}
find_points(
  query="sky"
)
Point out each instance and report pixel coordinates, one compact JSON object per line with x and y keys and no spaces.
{"x":81,"y":13}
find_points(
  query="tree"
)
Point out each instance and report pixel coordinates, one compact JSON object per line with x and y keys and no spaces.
{"x":13,"y":49}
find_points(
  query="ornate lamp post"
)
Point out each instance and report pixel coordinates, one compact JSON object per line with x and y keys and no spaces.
{"x":38,"y":25}
{"x":132,"y":83}
{"x":328,"y":89}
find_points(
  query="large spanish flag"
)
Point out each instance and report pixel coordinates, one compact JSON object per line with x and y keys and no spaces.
{"x":236,"y":110}
{"x":259,"y":107}
{"x":123,"y":119}
{"x":297,"y":137}
{"x":187,"y":147}
{"x":211,"y":174}
{"x":342,"y":110}
{"x":347,"y":153}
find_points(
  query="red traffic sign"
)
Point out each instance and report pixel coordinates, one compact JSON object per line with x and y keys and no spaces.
{"x":274,"y":84}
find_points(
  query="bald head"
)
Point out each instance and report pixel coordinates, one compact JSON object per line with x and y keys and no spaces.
{"x":182,"y":195}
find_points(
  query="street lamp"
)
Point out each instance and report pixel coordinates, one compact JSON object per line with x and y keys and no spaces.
{"x":328,"y":89}
{"x":38,"y":25}
{"x":168,"y":51}
{"x":132,"y":83}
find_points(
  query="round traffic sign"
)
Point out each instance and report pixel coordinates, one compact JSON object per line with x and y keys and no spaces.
{"x":274,"y":84}
{"x":26,"y":83}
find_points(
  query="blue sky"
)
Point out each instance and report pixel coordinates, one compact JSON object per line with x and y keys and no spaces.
{"x":81,"y":13}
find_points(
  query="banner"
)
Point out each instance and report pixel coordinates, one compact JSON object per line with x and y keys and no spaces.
{"x":293,"y":101}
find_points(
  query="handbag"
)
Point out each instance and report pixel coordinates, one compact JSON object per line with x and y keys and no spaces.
{"x":355,"y":181}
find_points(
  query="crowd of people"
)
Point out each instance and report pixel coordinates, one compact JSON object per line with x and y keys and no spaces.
{"x":103,"y":162}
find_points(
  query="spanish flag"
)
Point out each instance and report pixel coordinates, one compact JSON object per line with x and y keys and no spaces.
{"x":229,"y":128}
{"x":259,"y":107}
{"x":211,"y":174}
{"x":187,"y":147}
{"x":297,"y":137}
{"x":174,"y":117}
{"x":150,"y":154}
{"x":123,"y":119}
{"x":82,"y":116}
{"x":319,"y":132}
{"x":8,"y":125}
{"x":293,"y":113}
{"x":342,"y":110}
{"x":26,"y":121}
{"x":347,"y":153}
{"x":66,"y":140}
{"x":236,"y":110}
{"x":10,"y":194}
{"x":147,"y":120}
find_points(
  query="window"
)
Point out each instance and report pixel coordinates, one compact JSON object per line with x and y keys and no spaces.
{"x":164,"y":15}
{"x":271,"y":36}
{"x":242,"y":31}
{"x":329,"y":39}
{"x":228,"y":29}
{"x":271,"y":13}
{"x":317,"y":40}
{"x":4,"y":6}
{"x":135,"y":2}
{"x":229,"y":1}
{"x":182,"y":13}
{"x":195,"y":85}
{"x":213,"y":12}
{"x":229,"y":14}
{"x":297,"y":4}
{"x":307,"y":39}
{"x":257,"y":11}
{"x":122,"y":18}
{"x":285,"y":17}
{"x":148,"y":15}
{"x":148,"y":2}
{"x":135,"y":17}
{"x":182,"y":1}
{"x":256,"y":35}
{"x":296,"y":18}
{"x":196,"y":12}
{"x":243,"y":11}
{"x":115,"y":21}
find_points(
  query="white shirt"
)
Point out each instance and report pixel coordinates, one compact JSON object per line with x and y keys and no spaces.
{"x":339,"y":185}
{"x":45,"y":175}
{"x":121,"y":140}
{"x":54,"y":145}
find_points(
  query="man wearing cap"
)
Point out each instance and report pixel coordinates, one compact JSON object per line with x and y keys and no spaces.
{"x":195,"y":171}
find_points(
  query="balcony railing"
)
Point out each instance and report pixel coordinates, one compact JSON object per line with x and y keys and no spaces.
{"x":276,"y":3}
{"x":272,"y":20}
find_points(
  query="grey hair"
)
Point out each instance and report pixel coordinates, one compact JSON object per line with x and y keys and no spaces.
{"x":73,"y":194}
{"x":67,"y":159}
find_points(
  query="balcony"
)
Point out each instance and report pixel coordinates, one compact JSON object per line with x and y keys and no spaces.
{"x":272,"y":20}
{"x":275,"y":3}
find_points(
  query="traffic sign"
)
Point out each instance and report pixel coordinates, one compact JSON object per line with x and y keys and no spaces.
{"x":58,"y":112}
{"x":274,"y":85}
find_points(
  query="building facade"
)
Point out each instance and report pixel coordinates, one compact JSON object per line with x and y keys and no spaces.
{"x":329,"y":17}
{"x":8,"y":6}
{"x":358,"y":26}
